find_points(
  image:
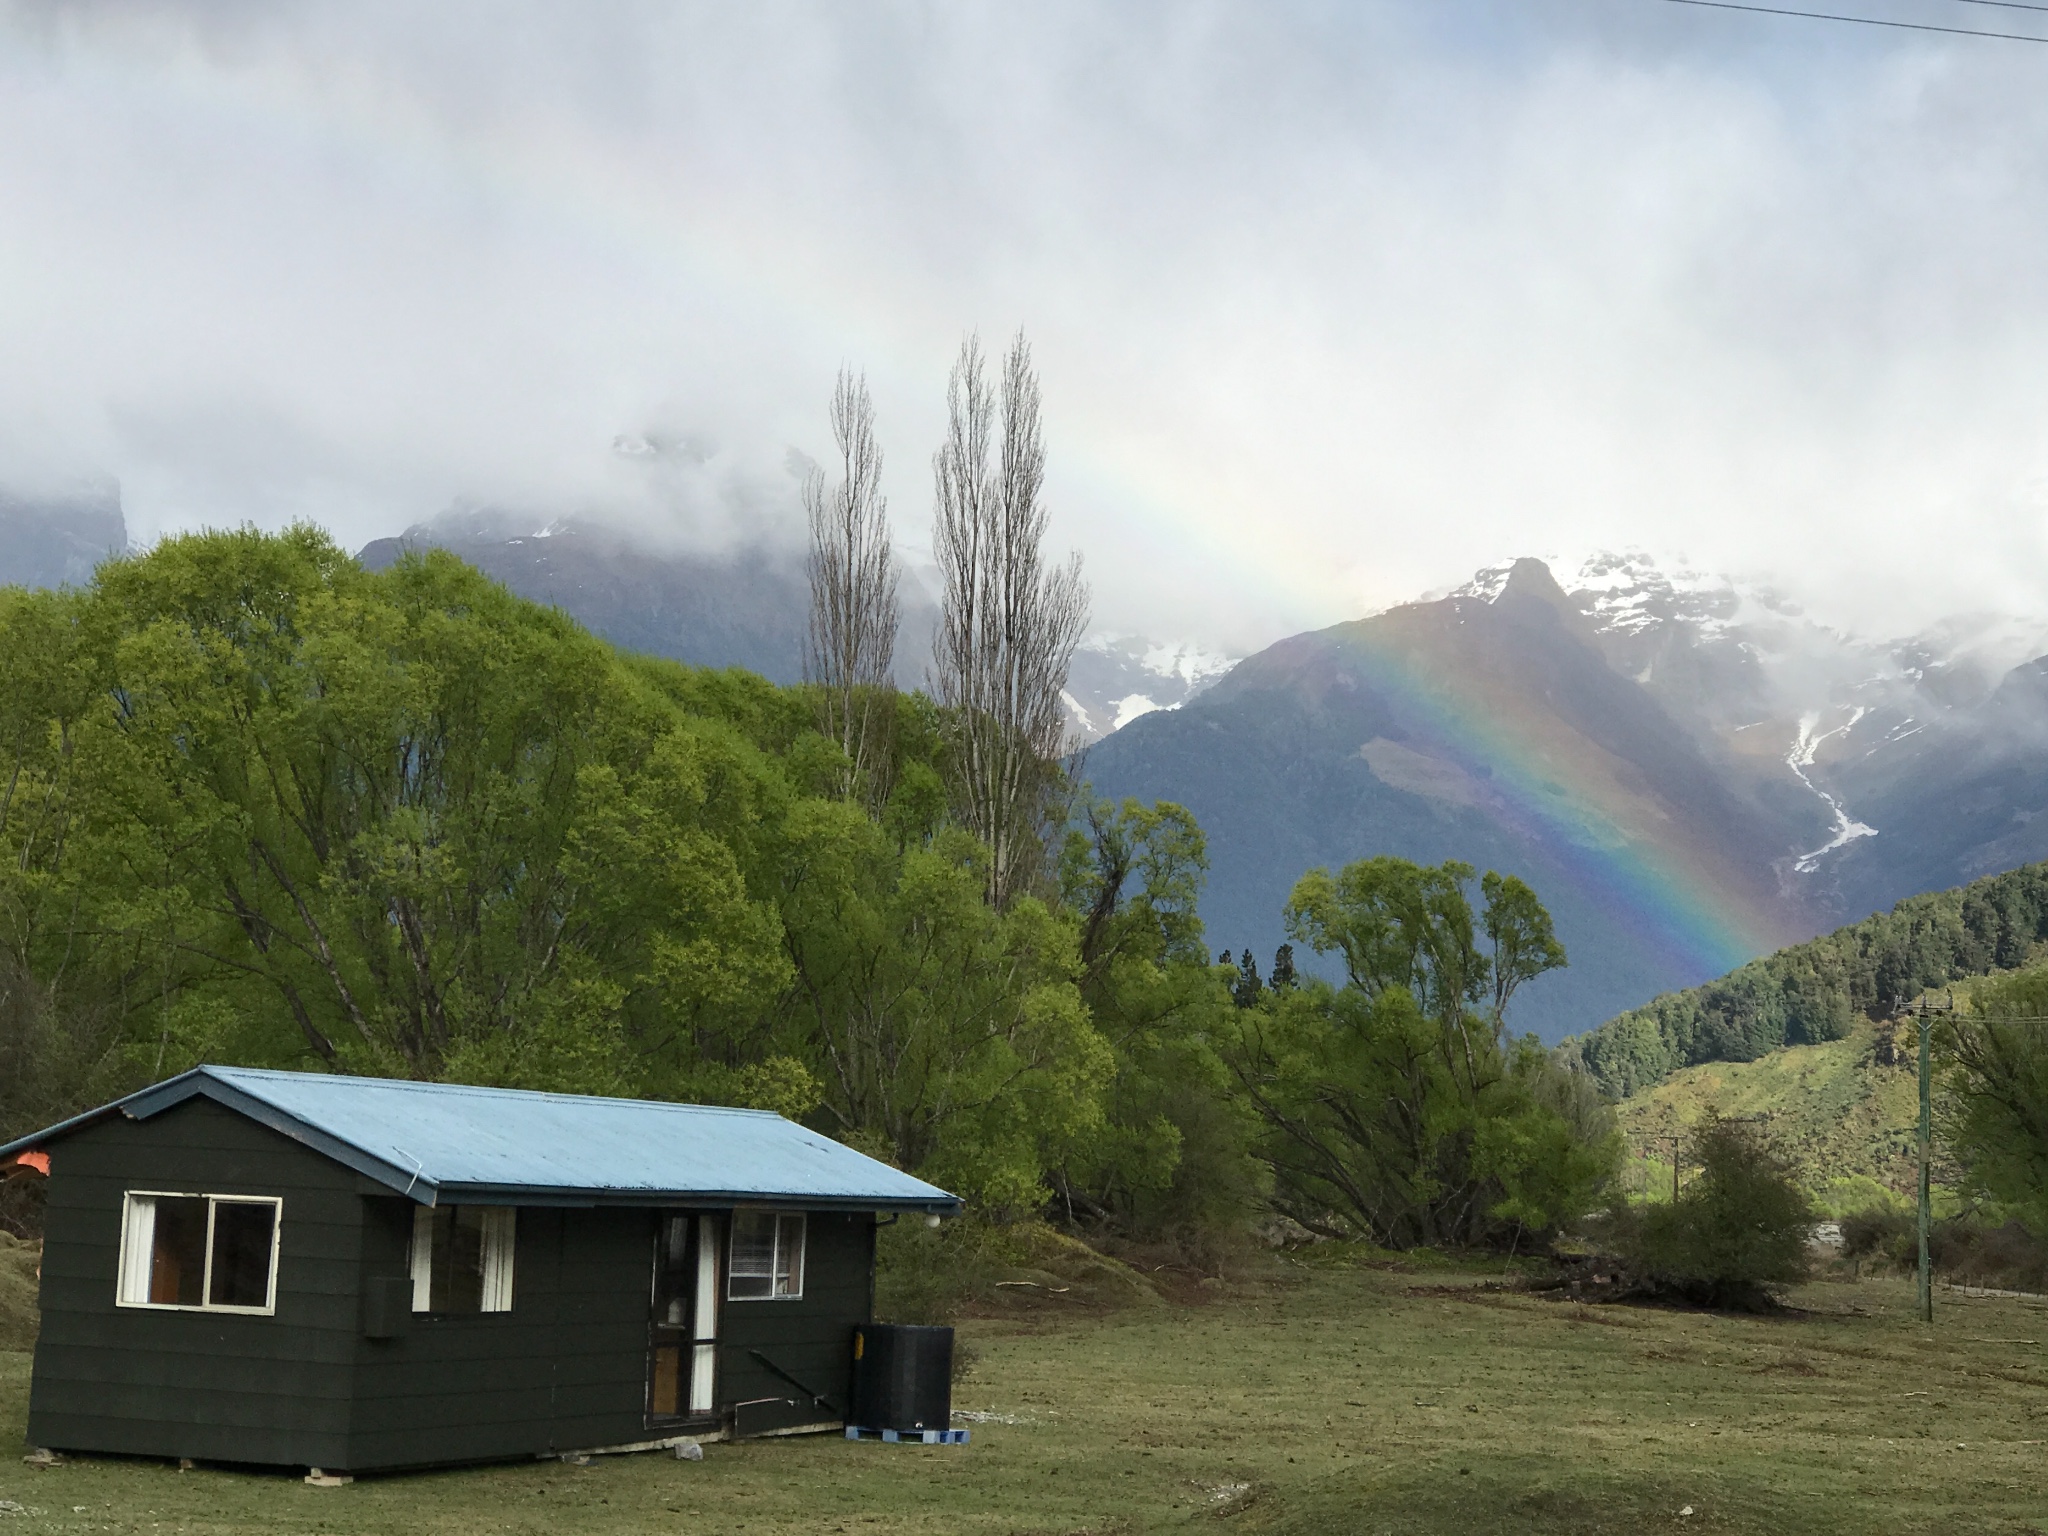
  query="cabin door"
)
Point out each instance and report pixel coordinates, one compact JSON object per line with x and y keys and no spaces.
{"x":682,"y":1352}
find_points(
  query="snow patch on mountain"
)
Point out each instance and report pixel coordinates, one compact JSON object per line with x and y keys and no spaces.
{"x":1486,"y":585}
{"x":1118,"y":678}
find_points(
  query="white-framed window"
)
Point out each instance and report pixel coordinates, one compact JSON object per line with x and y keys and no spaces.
{"x":767,"y":1257}
{"x":203,"y":1253}
{"x":462,"y":1258}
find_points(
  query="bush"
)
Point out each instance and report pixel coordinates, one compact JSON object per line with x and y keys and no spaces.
{"x":2005,"y":1257}
{"x":22,"y":1197}
{"x":1966,"y":1249}
{"x":1741,"y":1227}
{"x":1881,"y":1234}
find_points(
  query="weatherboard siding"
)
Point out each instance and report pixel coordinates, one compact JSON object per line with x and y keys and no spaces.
{"x":565,"y":1368}
{"x":811,"y":1338}
{"x":209,"y":1385}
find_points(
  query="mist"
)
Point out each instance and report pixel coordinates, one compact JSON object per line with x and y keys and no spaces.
{"x":1332,"y":304}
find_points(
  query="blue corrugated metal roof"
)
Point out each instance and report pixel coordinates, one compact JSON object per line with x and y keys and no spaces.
{"x":445,"y":1143}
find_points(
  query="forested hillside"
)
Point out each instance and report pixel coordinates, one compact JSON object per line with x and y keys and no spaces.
{"x":1815,"y":991}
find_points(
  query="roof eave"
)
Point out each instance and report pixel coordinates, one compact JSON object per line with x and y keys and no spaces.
{"x":937,"y":1203}
{"x":121,"y":1106}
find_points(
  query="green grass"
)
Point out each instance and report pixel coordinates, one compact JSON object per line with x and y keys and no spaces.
{"x":17,"y":1292}
{"x":1330,"y":1398}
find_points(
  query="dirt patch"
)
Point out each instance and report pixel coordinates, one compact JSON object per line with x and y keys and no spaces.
{"x":1790,"y":1366}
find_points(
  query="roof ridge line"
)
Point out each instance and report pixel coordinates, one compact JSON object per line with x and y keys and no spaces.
{"x":285,"y":1073}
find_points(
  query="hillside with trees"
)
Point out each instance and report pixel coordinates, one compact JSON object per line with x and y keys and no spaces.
{"x":1815,"y":992}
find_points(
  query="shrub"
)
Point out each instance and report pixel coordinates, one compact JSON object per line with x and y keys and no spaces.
{"x":2006,"y":1256}
{"x":1741,"y":1227}
{"x":1882,"y":1234}
{"x":22,"y":1197}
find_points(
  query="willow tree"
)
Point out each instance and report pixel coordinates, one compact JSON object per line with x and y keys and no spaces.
{"x":1009,"y":621}
{"x":851,"y":648}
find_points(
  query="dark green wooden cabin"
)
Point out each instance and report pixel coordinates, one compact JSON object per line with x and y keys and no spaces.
{"x":361,"y":1274}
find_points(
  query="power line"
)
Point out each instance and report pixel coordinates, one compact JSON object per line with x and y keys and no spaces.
{"x":2006,"y":5}
{"x":1870,"y":21}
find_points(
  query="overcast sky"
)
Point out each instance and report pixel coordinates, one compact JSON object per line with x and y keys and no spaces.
{"x":1332,"y":304}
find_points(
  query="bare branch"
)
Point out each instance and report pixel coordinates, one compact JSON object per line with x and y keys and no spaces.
{"x":851,"y":650}
{"x":1008,"y":623}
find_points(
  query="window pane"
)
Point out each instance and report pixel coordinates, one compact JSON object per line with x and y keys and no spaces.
{"x":767,"y":1256}
{"x":458,"y":1283}
{"x":138,"y":1235}
{"x":177,"y":1261}
{"x":789,"y":1266}
{"x":752,"y":1264}
{"x":420,"y":1258}
{"x":675,"y":1270}
{"x":241,"y":1253}
{"x":500,"y":1227}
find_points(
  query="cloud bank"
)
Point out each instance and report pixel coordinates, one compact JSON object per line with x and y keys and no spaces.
{"x":1332,"y":304}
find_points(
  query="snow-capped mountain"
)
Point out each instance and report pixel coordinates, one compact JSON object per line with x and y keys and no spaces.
{"x":1117,"y":678}
{"x":1688,"y":769}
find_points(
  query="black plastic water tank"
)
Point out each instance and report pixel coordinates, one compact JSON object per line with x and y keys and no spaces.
{"x":902,"y":1377}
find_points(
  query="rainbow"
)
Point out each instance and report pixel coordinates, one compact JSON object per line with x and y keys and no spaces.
{"x":1655,"y":872}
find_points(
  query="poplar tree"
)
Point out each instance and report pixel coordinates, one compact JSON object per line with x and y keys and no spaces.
{"x":851,"y":648}
{"x":1009,"y":621}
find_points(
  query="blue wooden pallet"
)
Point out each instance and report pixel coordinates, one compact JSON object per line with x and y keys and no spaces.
{"x":908,"y":1436}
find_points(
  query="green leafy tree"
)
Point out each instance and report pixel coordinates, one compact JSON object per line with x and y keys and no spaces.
{"x":1741,"y":1226}
{"x":949,"y":1036}
{"x":84,"y":966}
{"x":261,"y":806}
{"x":1524,"y":944}
{"x":1172,"y":1159}
{"x":1998,"y":1081}
{"x":444,"y":830}
{"x":1395,"y":1106}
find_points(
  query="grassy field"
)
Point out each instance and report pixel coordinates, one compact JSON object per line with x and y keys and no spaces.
{"x":1330,"y":1398}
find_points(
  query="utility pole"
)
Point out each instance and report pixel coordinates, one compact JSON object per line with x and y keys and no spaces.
{"x":1924,"y":1014}
{"x":1926,"y":1175}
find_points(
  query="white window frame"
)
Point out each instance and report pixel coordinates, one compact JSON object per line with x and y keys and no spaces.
{"x":782,"y":1220}
{"x":501,"y":1246}
{"x":138,"y":1251}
